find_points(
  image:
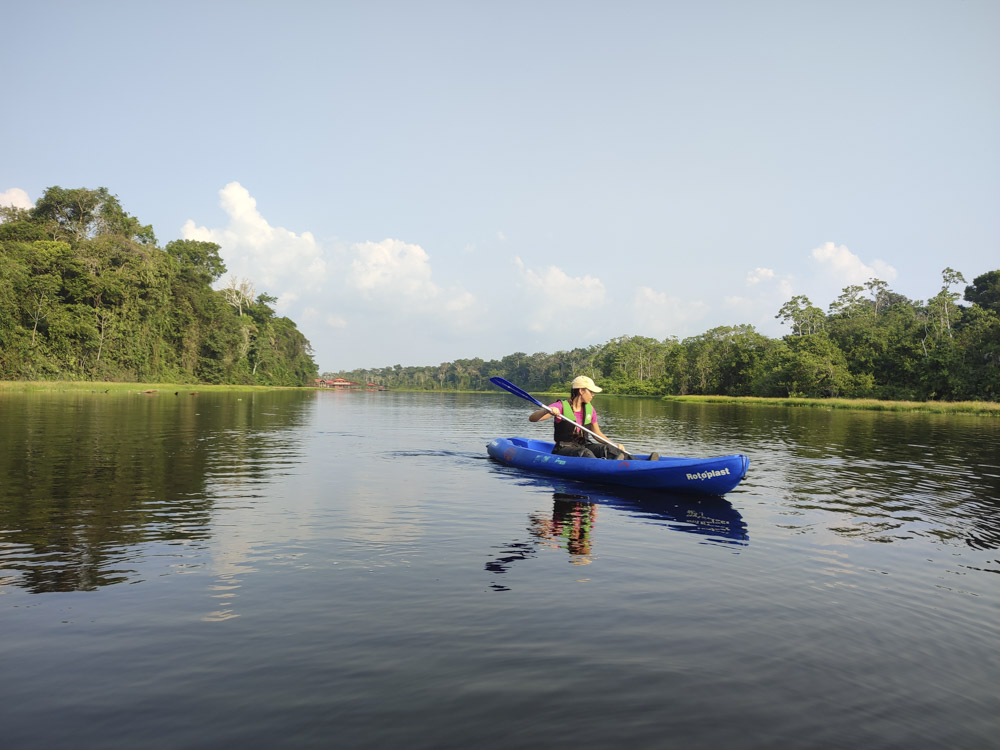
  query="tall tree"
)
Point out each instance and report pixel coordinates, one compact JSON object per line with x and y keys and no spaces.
{"x":200,"y":260}
{"x":78,"y":214}
{"x":801,"y":314}
{"x":985,"y":291}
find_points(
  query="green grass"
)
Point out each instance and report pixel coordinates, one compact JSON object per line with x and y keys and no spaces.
{"x":986,"y":408}
{"x":31,"y":386}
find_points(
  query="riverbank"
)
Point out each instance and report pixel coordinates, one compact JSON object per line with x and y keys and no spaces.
{"x":983,"y":408}
{"x":25,"y":386}
{"x":980,"y":408}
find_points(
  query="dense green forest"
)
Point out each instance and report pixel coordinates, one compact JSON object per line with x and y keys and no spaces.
{"x":871,"y":343}
{"x":87,"y":294}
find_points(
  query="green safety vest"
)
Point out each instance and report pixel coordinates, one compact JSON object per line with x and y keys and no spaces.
{"x":566,"y":428}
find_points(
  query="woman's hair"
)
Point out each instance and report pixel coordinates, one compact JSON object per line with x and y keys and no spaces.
{"x":574,"y":393}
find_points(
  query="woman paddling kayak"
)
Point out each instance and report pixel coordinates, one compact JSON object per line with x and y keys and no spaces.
{"x":577,"y":410}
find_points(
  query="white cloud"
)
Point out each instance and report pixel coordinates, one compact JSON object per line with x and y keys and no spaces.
{"x":464,"y":301}
{"x":555,"y":294}
{"x":660,"y":315}
{"x":285,"y":302}
{"x":396,"y":277}
{"x":758,"y":275}
{"x":276,"y":259}
{"x":391,"y":269}
{"x":312,"y":315}
{"x":769,"y":285}
{"x":848,"y":268}
{"x":15,"y":197}
{"x":758,"y":306}
{"x":343,"y":296}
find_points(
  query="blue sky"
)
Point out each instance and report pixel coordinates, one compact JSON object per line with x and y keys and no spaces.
{"x":419,"y":182}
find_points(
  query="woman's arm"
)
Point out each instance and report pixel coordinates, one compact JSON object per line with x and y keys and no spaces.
{"x":548,"y":411}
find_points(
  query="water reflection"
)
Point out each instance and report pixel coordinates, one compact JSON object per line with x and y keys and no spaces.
{"x":889,"y":479}
{"x":91,"y":486}
{"x":574,"y":515}
{"x":886,"y":477}
{"x":569,"y":526}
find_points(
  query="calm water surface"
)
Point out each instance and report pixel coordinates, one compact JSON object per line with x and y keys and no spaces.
{"x":350,"y":570}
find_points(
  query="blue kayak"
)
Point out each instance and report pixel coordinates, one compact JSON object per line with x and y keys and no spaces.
{"x":703,"y":476}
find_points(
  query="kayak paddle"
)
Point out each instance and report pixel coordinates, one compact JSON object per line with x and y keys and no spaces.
{"x":511,"y":388}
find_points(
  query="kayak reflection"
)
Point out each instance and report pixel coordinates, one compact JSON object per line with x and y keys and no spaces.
{"x":574,"y":515}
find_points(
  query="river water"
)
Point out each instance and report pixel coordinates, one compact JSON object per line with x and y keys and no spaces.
{"x":350,"y":570}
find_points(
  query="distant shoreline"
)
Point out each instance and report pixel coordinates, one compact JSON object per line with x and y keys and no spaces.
{"x":982,"y":408}
{"x":979,"y":408}
{"x":100,"y":386}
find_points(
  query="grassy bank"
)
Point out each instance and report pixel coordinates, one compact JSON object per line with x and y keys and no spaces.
{"x":30,"y":386}
{"x":986,"y":408}
{"x":982,"y":408}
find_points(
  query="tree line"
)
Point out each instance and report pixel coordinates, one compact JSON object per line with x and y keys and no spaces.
{"x":86,"y":293}
{"x":870,"y":343}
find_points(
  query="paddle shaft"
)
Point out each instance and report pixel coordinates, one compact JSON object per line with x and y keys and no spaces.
{"x":580,"y":427}
{"x":511,"y":388}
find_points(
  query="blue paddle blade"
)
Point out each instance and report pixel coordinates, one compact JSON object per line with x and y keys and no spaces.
{"x":511,"y":388}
